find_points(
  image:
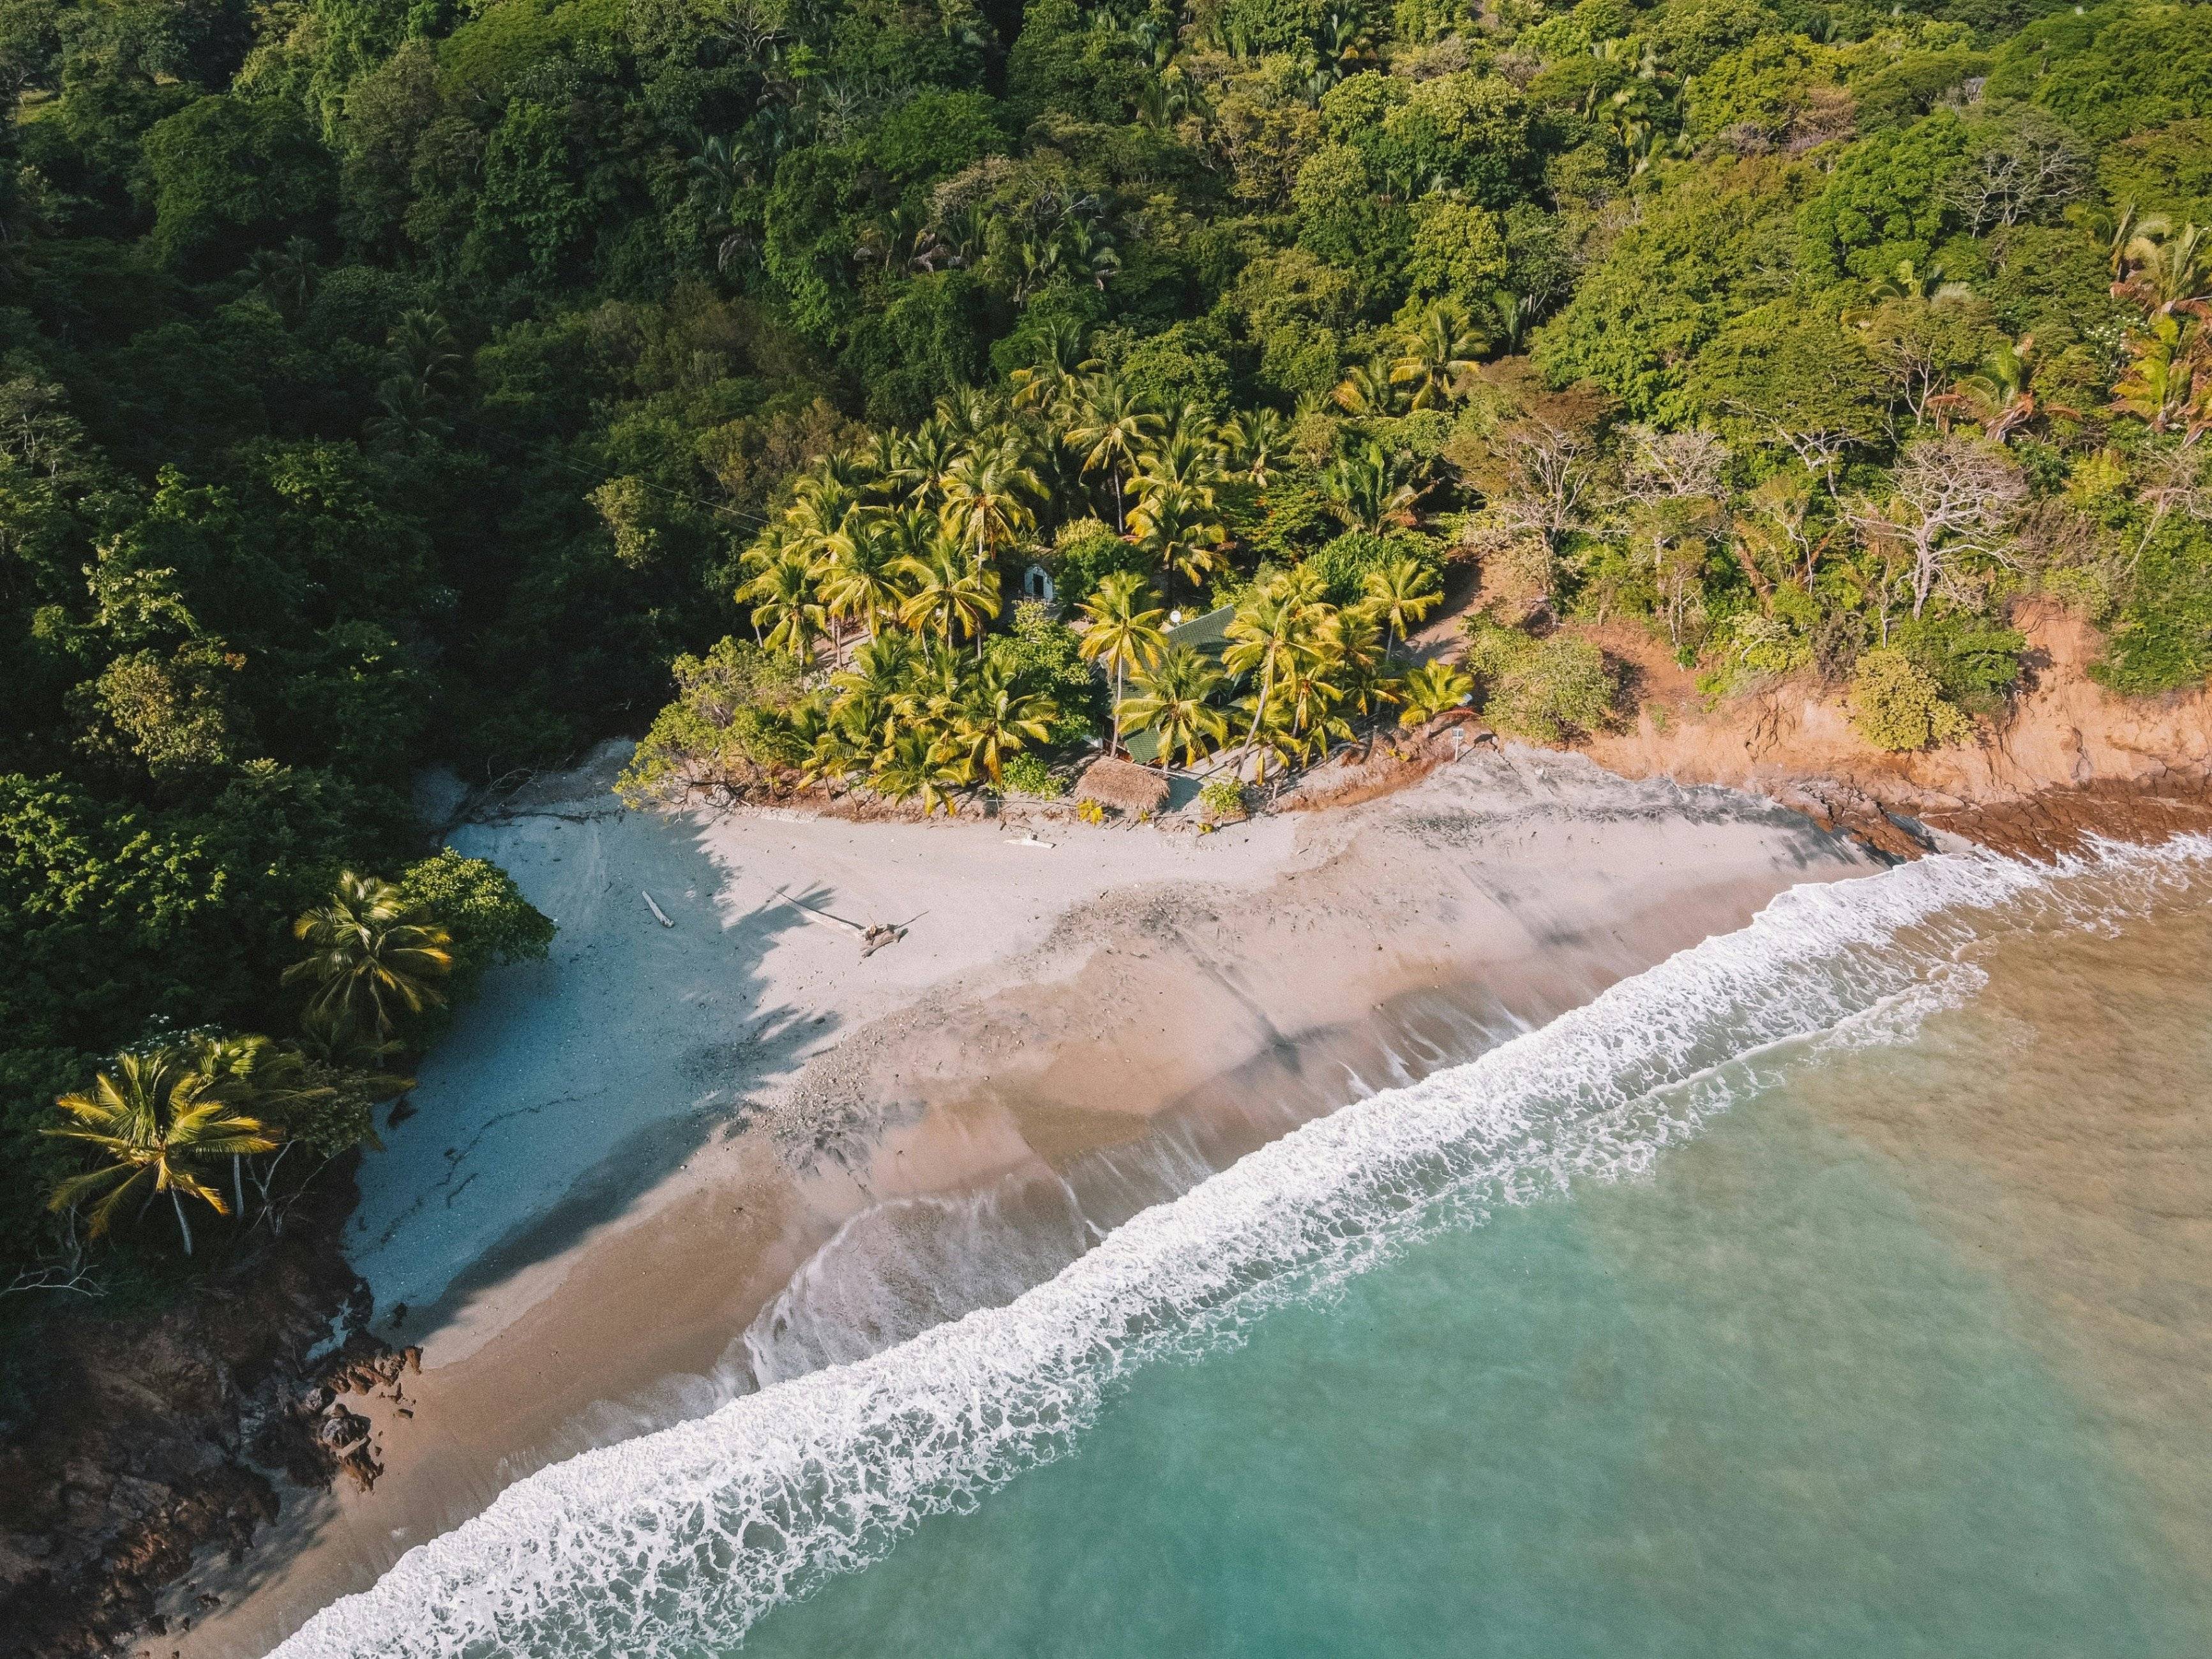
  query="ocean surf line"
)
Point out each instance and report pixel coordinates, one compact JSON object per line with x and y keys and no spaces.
{"x":682,"y":1539}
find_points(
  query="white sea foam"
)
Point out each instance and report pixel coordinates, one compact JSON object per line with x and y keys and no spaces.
{"x":682,"y":1539}
{"x":899,"y":1267}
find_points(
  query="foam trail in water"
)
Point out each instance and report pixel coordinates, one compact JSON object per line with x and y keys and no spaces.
{"x":898,"y":1267}
{"x":683,"y":1538}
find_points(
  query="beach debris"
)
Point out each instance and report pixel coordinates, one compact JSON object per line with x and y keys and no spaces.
{"x":873,"y":937}
{"x":1029,"y":840}
{"x":659,"y":914}
{"x":823,"y":916}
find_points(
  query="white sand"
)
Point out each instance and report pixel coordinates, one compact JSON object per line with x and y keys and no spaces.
{"x":574,"y":1083}
{"x":623,"y":1156}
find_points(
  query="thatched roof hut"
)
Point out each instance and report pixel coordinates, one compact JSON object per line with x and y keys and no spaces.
{"x":1125,"y":788}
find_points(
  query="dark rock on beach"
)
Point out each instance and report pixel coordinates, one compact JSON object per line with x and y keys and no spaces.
{"x":137,"y":1441}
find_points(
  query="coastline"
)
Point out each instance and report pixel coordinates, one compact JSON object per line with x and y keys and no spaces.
{"x":2067,"y":761}
{"x":1077,"y":1046}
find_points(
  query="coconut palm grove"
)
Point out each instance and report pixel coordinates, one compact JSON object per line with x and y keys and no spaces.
{"x":856,"y":399}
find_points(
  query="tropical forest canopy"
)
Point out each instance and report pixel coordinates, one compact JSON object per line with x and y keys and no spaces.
{"x":390,"y":384}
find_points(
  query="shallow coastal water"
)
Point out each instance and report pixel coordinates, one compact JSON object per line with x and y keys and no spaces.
{"x":1905,"y":1355}
{"x":1837,"y":1287}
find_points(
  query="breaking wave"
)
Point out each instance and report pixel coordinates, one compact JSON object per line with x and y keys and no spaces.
{"x":683,"y":1538}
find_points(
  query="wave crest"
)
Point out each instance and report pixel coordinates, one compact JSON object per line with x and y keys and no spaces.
{"x":687,"y":1536}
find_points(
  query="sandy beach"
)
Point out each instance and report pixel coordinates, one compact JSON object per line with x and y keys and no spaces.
{"x":676,"y":1162}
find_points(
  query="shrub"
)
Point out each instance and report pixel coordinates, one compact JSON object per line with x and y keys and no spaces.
{"x":2162,"y":639}
{"x":1544,"y":689}
{"x":1898,"y":705}
{"x":1086,"y":552}
{"x":1344,"y":563}
{"x":1754,"y":646}
{"x":729,"y":724}
{"x":478,"y":903}
{"x":1044,"y":660}
{"x":1028,"y":775}
{"x":1974,"y":665}
{"x":1222,"y":798}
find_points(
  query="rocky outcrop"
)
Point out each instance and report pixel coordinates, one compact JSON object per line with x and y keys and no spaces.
{"x":134,"y":1442}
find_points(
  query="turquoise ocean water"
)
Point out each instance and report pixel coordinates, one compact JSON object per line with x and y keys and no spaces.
{"x":1843,"y":1288}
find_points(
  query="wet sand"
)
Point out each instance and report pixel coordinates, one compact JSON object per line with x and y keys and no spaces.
{"x":1068,"y":1037}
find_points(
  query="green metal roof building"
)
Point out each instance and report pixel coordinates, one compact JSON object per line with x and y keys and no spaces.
{"x":1208,"y":635}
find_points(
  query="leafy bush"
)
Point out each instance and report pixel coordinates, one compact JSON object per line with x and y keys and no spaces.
{"x":1028,"y":775}
{"x":1344,"y":563}
{"x":1898,"y":705}
{"x":1087,"y":551}
{"x":2162,"y":639}
{"x":1044,"y":659}
{"x":1975,"y":665}
{"x":478,"y":903}
{"x":1222,"y":798}
{"x":727,"y":724}
{"x":1544,"y":689}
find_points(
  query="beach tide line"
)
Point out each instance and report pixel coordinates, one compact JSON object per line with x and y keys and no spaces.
{"x":684,"y":1538}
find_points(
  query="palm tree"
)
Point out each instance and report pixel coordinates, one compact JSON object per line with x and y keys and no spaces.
{"x":366,"y":957}
{"x":1911,"y":282}
{"x":288,"y":278}
{"x":929,"y":452}
{"x":783,"y":597}
{"x":1364,"y":490}
{"x":1172,"y":702}
{"x":948,"y":595}
{"x":1307,"y":703}
{"x":2000,"y":394}
{"x":1353,"y":660}
{"x":2128,"y":236}
{"x":1171,"y":524}
{"x":1186,"y":458}
{"x":154,"y":1115}
{"x":934,"y":687}
{"x":975,"y":416}
{"x":421,"y":349}
{"x":1401,"y":593}
{"x":862,"y":580}
{"x":1123,"y":632}
{"x":830,"y":754}
{"x":993,"y":721}
{"x":1110,"y":428}
{"x":1251,"y":442}
{"x":1048,"y":381}
{"x":274,"y":1080}
{"x":2173,"y":273}
{"x":1507,"y":318}
{"x":1433,"y":689}
{"x":1271,"y":633}
{"x":986,"y":494}
{"x":862,"y":698}
{"x":911,"y":765}
{"x":2168,"y":378}
{"x":1366,"y":390}
{"x":1438,"y":357}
